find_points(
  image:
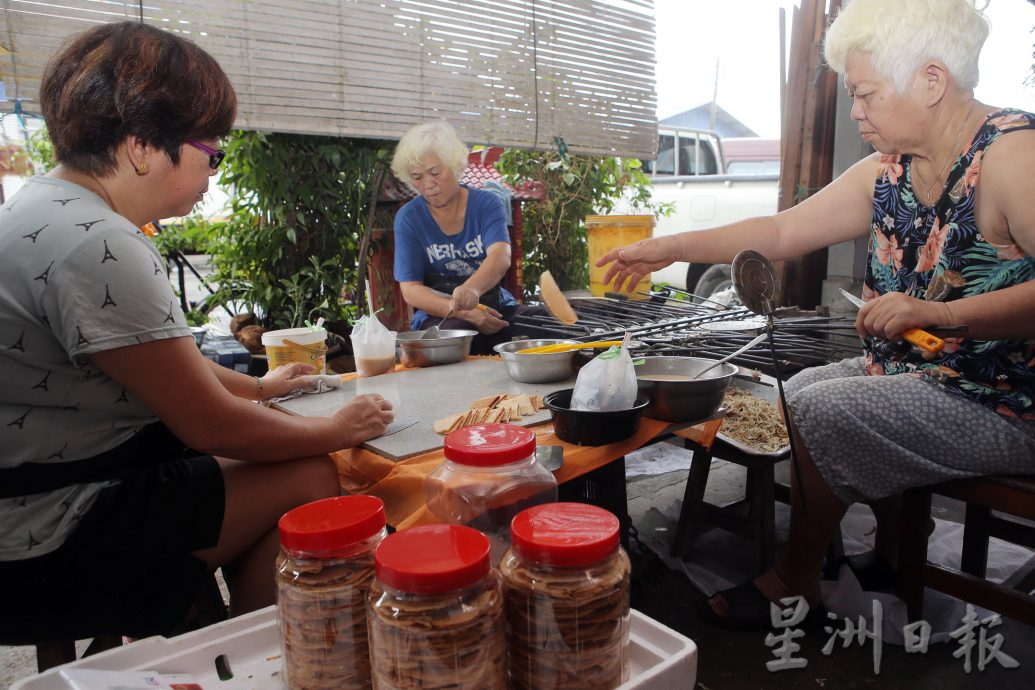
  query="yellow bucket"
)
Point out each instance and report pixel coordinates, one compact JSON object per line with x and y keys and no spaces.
{"x":605,"y":233}
{"x":296,"y":345}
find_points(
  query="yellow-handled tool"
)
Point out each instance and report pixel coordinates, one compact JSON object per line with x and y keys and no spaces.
{"x":922,"y":339}
{"x":568,"y":347}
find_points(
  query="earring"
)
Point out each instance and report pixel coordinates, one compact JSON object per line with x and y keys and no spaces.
{"x":142,"y":170}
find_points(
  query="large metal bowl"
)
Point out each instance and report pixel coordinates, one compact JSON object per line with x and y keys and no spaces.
{"x":681,"y":399}
{"x":447,"y":348}
{"x":536,"y":368}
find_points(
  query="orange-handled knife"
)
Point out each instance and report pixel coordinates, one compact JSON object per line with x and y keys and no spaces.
{"x":922,"y":339}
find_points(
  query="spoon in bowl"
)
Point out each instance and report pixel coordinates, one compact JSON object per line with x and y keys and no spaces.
{"x":727,"y":358}
{"x":432,"y":332}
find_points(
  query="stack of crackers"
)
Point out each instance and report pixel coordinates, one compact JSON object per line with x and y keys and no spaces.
{"x":323,"y":622}
{"x":492,"y":409}
{"x":453,"y":640}
{"x":567,"y":627}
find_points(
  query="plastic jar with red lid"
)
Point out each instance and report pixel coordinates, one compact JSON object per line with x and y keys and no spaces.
{"x":435,"y":611}
{"x":566,"y":599}
{"x":324,"y":570}
{"x":490,"y":474}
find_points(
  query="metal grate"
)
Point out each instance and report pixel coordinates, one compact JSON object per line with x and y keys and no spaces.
{"x":669,"y":327}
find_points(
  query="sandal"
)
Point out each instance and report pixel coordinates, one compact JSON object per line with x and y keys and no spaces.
{"x":748,"y":609}
{"x":873,"y":572}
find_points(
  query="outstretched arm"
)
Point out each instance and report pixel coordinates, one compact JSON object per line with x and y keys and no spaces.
{"x":839,"y":212}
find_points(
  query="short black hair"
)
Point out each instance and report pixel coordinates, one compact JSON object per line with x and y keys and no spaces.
{"x":128,"y":78}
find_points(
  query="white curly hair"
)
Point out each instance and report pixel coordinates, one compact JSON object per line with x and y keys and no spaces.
{"x":437,"y":138}
{"x":900,"y":36}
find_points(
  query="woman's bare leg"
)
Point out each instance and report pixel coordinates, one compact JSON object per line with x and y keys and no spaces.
{"x":887,"y":512}
{"x":257,"y":494}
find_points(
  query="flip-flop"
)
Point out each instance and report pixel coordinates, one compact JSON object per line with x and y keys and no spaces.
{"x":748,"y":609}
{"x":873,"y":572}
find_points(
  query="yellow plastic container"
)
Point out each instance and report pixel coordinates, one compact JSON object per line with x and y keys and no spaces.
{"x":605,"y":233}
{"x":296,"y":345}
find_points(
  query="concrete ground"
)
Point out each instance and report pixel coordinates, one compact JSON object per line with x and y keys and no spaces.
{"x":737,"y":660}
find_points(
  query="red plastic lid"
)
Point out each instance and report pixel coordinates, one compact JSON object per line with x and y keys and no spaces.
{"x":489,"y":445}
{"x":564,"y":534}
{"x":331,"y":524}
{"x":432,"y":559}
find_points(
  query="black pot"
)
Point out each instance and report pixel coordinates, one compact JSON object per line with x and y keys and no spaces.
{"x":591,"y":428}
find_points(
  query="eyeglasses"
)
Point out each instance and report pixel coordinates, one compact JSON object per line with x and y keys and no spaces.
{"x":215,"y":156}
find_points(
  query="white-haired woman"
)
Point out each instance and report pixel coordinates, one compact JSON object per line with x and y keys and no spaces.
{"x":947,"y":209}
{"x":451,"y":240}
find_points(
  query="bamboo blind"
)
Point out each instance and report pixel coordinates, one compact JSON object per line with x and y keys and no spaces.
{"x":514,"y":73}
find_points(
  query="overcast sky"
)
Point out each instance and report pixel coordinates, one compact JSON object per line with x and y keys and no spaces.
{"x":743,"y":36}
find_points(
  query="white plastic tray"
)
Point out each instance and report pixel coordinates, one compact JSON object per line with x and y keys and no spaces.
{"x":660,"y":658}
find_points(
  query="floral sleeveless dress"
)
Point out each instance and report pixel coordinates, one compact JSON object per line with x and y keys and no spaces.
{"x":939,"y":254}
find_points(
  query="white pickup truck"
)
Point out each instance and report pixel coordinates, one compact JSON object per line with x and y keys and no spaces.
{"x":710,"y":181}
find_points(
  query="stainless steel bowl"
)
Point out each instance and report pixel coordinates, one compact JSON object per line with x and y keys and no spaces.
{"x":536,"y":368}
{"x":682,"y":399}
{"x":448,"y":347}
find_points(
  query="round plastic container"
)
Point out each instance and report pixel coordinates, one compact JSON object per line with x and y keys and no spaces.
{"x":490,"y":474}
{"x":604,"y":233}
{"x":435,"y":612}
{"x":566,"y":599}
{"x":324,"y":569}
{"x":296,"y":345}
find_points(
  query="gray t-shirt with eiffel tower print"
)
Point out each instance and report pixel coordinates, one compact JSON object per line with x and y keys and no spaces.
{"x":77,"y":278}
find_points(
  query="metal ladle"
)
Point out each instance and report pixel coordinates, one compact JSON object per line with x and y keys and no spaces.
{"x":432,"y":332}
{"x":727,"y":358}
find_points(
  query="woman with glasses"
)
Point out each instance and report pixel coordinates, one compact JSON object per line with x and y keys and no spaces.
{"x":117,"y":497}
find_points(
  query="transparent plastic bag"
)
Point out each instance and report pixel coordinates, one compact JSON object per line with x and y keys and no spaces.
{"x":373,"y":346}
{"x":607,"y":383}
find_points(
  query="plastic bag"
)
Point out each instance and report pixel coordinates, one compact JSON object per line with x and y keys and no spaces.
{"x":373,"y":345}
{"x":607,"y":383}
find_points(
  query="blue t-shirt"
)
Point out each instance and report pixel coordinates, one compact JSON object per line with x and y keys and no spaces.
{"x":421,"y":248}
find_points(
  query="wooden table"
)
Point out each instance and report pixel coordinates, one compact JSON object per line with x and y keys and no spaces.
{"x":394,"y":467}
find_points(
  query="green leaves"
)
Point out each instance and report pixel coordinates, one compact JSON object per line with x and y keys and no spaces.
{"x":298,"y":210}
{"x":577,"y":186}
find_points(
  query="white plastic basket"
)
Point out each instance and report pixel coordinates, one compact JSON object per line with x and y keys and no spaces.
{"x":248,"y":646}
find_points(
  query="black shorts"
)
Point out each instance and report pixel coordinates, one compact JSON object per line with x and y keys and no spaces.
{"x":128,"y":569}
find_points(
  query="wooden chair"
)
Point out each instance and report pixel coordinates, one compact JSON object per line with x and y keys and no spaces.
{"x":207,"y":609}
{"x":996,"y":507}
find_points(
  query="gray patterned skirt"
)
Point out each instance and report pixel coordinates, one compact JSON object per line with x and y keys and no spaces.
{"x":874,"y":436}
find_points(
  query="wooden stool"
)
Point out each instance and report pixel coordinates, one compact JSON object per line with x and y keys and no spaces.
{"x":752,"y":517}
{"x":1013,"y":496}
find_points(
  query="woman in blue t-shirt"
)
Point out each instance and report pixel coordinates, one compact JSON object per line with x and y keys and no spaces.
{"x":452,"y":248}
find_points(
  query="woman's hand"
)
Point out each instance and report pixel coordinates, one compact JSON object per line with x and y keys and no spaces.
{"x":487,"y":321}
{"x":363,"y":418}
{"x":891,"y":314}
{"x":636,"y":260}
{"x":464,"y":298}
{"x":287,"y":379}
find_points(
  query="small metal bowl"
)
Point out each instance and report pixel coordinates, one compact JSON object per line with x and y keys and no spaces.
{"x":447,"y":348}
{"x":536,"y":368}
{"x":682,"y":399}
{"x":591,"y":427}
